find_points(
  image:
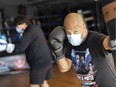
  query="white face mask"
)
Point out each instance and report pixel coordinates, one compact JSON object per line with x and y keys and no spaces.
{"x":75,"y":39}
{"x":19,"y":30}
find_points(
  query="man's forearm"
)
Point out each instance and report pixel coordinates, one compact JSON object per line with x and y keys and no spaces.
{"x":64,"y":64}
{"x":106,"y":43}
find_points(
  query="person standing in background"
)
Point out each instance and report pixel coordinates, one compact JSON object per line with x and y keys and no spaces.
{"x":35,"y":46}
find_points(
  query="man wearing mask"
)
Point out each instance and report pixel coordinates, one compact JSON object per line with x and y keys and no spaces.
{"x":38,"y":55}
{"x":95,"y":67}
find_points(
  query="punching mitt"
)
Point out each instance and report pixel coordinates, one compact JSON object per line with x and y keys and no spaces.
{"x":4,"y":46}
{"x":56,"y":39}
{"x":109,"y":13}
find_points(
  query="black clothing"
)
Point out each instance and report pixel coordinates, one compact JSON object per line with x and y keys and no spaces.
{"x":92,"y":63}
{"x":38,"y":76}
{"x":35,"y":46}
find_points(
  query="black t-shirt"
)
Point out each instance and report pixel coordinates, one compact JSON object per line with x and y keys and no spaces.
{"x":92,"y":63}
{"x":35,"y":46}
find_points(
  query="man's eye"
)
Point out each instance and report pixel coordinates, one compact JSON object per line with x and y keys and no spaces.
{"x":68,"y":33}
{"x":75,"y":31}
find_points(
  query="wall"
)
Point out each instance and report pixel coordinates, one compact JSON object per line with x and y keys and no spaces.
{"x":11,"y":11}
{"x":12,"y":2}
{"x":10,"y":8}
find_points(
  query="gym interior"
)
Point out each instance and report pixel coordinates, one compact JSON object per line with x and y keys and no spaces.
{"x":47,"y":14}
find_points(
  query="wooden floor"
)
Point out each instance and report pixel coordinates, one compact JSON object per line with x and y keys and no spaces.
{"x":59,"y":79}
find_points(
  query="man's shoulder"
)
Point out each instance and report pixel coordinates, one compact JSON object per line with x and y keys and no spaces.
{"x":34,"y":27}
{"x":95,"y":33}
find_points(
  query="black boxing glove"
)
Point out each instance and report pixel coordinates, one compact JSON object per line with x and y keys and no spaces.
{"x":56,"y":39}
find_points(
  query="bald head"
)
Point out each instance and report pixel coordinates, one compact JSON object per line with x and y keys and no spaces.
{"x":73,"y":19}
{"x":74,"y":24}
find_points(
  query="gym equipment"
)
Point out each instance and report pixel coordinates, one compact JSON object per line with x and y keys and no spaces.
{"x":109,"y":13}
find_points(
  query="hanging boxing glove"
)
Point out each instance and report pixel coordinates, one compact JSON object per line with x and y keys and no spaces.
{"x":109,"y":13}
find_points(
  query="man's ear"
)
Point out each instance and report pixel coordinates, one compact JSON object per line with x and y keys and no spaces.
{"x":84,"y":26}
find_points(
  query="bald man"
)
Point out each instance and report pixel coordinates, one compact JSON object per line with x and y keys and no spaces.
{"x":86,"y":50}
